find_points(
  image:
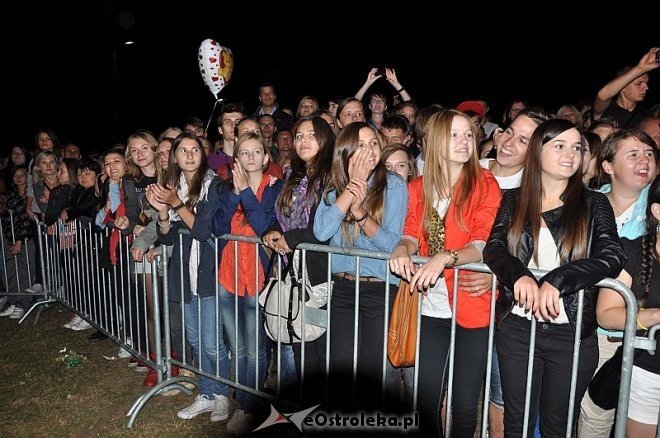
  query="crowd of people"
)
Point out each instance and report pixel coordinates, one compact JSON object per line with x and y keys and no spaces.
{"x":574,"y":193}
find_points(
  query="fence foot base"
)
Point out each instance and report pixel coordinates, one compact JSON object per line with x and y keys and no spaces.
{"x":48,"y":303}
{"x":134,"y":411}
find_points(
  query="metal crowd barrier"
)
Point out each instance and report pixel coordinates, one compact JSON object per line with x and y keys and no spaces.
{"x":74,"y":278}
{"x":78,"y":275}
{"x":15,"y":266}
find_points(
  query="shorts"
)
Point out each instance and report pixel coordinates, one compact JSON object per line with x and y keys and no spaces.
{"x":644,"y":398}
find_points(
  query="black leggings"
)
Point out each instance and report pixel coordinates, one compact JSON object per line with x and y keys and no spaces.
{"x":469,"y":371}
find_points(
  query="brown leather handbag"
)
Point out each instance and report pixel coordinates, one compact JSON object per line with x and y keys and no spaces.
{"x":402,"y":334}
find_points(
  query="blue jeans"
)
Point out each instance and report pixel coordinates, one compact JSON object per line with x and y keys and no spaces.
{"x":207,"y":335}
{"x":495,"y":381}
{"x":251,"y":356}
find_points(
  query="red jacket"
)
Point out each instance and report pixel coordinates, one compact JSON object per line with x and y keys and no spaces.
{"x":478,"y":217}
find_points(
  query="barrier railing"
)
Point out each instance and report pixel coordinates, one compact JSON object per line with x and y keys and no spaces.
{"x":112,"y":299}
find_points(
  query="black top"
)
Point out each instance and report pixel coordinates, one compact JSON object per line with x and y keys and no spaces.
{"x":141,"y":191}
{"x":625,"y":118}
{"x":633,"y":249}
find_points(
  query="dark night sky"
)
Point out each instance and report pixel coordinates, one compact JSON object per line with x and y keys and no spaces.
{"x":64,"y":80}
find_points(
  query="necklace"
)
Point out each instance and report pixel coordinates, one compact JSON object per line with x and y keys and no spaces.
{"x":620,"y":212}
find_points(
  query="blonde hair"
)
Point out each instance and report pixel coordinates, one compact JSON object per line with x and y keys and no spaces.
{"x":132,"y":169}
{"x":437,"y":176}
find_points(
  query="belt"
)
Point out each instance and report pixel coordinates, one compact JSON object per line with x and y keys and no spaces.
{"x":350,"y":277}
{"x":614,"y":339}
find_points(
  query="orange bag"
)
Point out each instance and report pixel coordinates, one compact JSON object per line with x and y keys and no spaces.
{"x":402,"y":334}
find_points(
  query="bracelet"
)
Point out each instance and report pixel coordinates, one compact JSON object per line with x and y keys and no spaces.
{"x":454,"y":258}
{"x":178,"y":207}
{"x":362,"y":218}
{"x":400,"y":89}
{"x":639,"y":323}
{"x":361,"y":223}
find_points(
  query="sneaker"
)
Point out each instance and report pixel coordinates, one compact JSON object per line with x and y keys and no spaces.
{"x":202,"y":404}
{"x":82,"y":325}
{"x":220,"y":410}
{"x":123,"y":354}
{"x":8,"y":311}
{"x":74,"y":322}
{"x":151,"y":379}
{"x":35,"y":289}
{"x":235,"y":424}
{"x":187,"y":373}
{"x":18,"y":313}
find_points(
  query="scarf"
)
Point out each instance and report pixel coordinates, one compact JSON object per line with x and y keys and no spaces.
{"x":182,"y":193}
{"x":298,"y":216}
{"x":115,"y":234}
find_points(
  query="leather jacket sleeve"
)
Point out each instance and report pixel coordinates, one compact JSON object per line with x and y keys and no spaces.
{"x":606,"y":257}
{"x":507,"y":268}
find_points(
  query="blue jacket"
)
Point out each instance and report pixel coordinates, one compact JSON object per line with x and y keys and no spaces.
{"x":260,"y":215}
{"x":201,"y":231}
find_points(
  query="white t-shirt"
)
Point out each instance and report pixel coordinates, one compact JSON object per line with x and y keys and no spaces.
{"x":420,"y":164}
{"x":505,"y":182}
{"x":548,"y":260}
{"x":622,"y":219}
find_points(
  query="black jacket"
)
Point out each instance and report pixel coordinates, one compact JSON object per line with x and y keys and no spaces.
{"x":606,"y":258}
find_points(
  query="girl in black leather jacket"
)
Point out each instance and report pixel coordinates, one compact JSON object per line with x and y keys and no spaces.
{"x":553,"y":223}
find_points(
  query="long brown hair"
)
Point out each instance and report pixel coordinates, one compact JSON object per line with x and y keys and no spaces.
{"x":437,"y":177}
{"x":347,"y":144}
{"x":573,"y":245}
{"x":317,"y":170}
{"x":174,"y":171}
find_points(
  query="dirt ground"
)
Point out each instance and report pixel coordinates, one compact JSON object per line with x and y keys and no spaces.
{"x":41,"y":396}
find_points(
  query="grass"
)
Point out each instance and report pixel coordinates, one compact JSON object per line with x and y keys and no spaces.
{"x":40,"y":396}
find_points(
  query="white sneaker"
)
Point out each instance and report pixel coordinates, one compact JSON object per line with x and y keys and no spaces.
{"x":18,"y":313}
{"x":220,"y":410}
{"x":124,"y":353}
{"x":36,"y":288}
{"x":201,"y":404}
{"x":8,"y":311}
{"x":235,"y":424}
{"x":82,"y":325}
{"x":74,"y":322}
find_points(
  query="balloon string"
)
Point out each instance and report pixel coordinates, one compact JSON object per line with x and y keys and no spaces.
{"x":208,"y":123}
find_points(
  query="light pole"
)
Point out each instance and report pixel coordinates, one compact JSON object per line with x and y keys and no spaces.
{"x":115,"y":88}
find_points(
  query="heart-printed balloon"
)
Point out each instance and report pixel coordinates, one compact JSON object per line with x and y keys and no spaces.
{"x":216,"y":64}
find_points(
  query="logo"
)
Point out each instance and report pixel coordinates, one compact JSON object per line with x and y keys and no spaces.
{"x":336,"y":421}
{"x":295,"y":418}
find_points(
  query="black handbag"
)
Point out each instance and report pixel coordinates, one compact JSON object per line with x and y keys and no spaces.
{"x":604,"y":386}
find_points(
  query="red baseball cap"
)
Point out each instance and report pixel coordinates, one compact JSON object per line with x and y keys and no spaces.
{"x":474,"y":106}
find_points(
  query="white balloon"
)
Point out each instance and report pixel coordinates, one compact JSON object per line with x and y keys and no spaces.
{"x":216,"y":64}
